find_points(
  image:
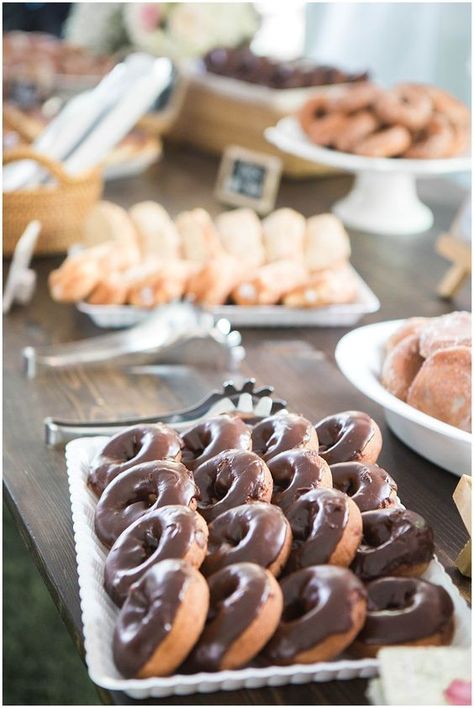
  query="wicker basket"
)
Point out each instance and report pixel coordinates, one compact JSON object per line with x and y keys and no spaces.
{"x":61,"y":208}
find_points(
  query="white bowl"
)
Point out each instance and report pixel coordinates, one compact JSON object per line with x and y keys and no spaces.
{"x":359,"y":355}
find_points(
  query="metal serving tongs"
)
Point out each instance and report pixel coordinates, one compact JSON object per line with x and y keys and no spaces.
{"x":177,"y":333}
{"x":246,"y":398}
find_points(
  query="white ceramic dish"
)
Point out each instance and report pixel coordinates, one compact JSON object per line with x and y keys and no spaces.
{"x":99,"y":613}
{"x":117,"y":316}
{"x":359,"y":355}
{"x":383,"y":199}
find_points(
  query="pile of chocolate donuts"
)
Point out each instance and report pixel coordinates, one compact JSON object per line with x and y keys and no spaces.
{"x":409,"y":120}
{"x":200,"y":526}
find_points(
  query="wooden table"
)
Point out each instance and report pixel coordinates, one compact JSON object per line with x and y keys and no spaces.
{"x":300,"y":364}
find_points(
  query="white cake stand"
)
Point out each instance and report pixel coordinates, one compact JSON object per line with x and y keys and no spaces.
{"x":383,"y":198}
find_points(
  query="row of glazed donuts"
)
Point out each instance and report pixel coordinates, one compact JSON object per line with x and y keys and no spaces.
{"x":308,"y":530}
{"x":410,"y":120}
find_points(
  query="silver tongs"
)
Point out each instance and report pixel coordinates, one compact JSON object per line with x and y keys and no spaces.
{"x":179,"y":333}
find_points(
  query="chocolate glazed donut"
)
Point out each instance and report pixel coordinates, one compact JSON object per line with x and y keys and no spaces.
{"x":281,"y":432}
{"x":405,"y":612}
{"x":161,"y":620}
{"x":295,"y":472}
{"x":257,"y":533}
{"x":244,"y":611}
{"x":349,"y":436}
{"x":327,"y":528}
{"x":324,"y":608}
{"x":369,"y":486}
{"x":172,"y":531}
{"x":395,"y":542}
{"x":142,"y":443}
{"x":139,"y":490}
{"x":231,"y":478}
{"x":207,"y":439}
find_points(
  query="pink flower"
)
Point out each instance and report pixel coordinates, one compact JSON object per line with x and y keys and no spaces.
{"x":458,"y":693}
{"x":150,"y":16}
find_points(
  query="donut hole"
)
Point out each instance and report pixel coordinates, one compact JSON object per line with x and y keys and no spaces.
{"x":302,"y":521}
{"x":377,"y":535}
{"x":295,"y":610}
{"x":151,"y":541}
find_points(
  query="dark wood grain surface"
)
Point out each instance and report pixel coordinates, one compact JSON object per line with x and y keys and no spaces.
{"x":299,"y":363}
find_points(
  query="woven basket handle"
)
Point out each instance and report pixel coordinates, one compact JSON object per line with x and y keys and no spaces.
{"x":27,"y":153}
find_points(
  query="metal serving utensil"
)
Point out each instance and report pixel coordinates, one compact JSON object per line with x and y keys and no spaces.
{"x":178,"y":333}
{"x":230,"y":397}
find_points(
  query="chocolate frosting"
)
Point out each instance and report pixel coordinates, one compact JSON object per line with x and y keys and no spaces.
{"x":255,"y":533}
{"x":317,"y":519}
{"x":402,"y":610}
{"x":369,"y":486}
{"x":168,"y":532}
{"x":237,"y":594}
{"x":148,"y":614}
{"x":212,"y":436}
{"x":318,"y":603}
{"x":231,"y":478}
{"x":279,"y":433}
{"x":295,"y":472}
{"x":142,"y":443}
{"x":392,"y":538}
{"x":139,"y":490}
{"x":343,"y":436}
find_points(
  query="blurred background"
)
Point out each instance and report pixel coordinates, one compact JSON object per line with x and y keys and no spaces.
{"x":390,"y":42}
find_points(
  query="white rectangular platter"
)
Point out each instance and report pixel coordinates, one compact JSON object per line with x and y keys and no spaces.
{"x":99,"y":613}
{"x":119,"y":316}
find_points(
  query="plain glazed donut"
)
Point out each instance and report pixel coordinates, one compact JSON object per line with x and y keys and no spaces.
{"x":136,"y":491}
{"x":386,"y":142}
{"x":405,"y":612}
{"x":327,"y":528}
{"x":130,"y":447}
{"x":315,"y":109}
{"x":325,"y":130}
{"x":395,"y":542}
{"x":324,"y":608}
{"x":357,"y":127}
{"x":437,"y":139}
{"x":369,"y":486}
{"x":255,"y":533}
{"x":231,"y":478}
{"x":244,"y":610}
{"x":169,"y":532}
{"x":405,"y":105}
{"x":206,"y":439}
{"x":456,"y":111}
{"x":296,"y":471}
{"x":357,"y":97}
{"x":282,"y":432}
{"x":161,"y":620}
{"x":401,"y":365}
{"x":349,"y":436}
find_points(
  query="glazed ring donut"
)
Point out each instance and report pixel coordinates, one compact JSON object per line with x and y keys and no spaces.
{"x":214,"y":435}
{"x":325,"y":130}
{"x":231,"y":478}
{"x":160,"y":620}
{"x":327,"y":528}
{"x":244,"y":610}
{"x":315,"y":108}
{"x":130,"y":447}
{"x":401,"y":365}
{"x":357,"y":97}
{"x":387,"y":142}
{"x":296,"y":471}
{"x":357,"y":127}
{"x":405,"y":612}
{"x":349,"y":436}
{"x":256,"y":533}
{"x":437,"y":139}
{"x":369,"y":486}
{"x":456,"y":111}
{"x":282,"y":432}
{"x":405,"y":105}
{"x":324,"y":607}
{"x":141,"y":489}
{"x":172,"y":531}
{"x":394,"y":542}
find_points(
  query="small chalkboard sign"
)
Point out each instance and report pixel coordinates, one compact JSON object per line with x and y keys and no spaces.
{"x":248,"y":179}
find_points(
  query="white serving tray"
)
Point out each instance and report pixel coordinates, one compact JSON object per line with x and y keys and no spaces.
{"x":99,"y":613}
{"x":118,"y":316}
{"x":359,"y":355}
